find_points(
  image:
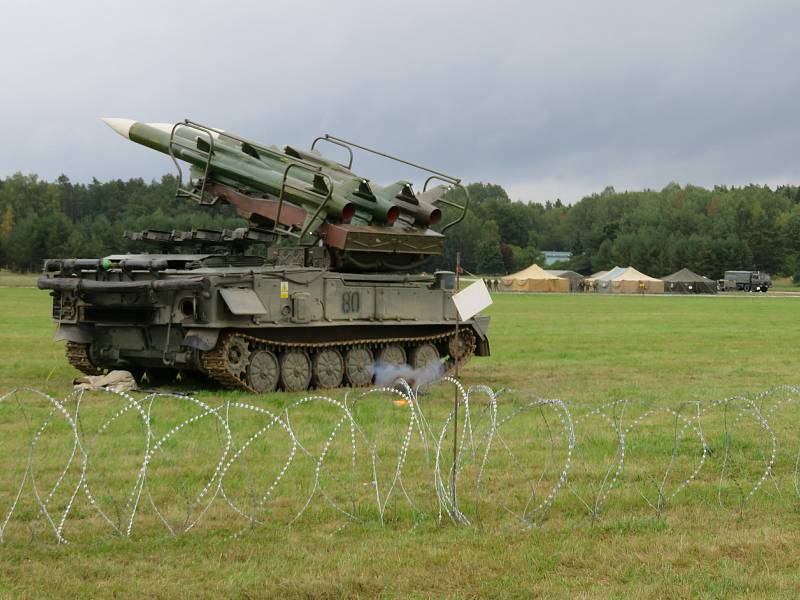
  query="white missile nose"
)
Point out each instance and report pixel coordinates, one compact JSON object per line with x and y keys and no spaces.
{"x":121,"y":126}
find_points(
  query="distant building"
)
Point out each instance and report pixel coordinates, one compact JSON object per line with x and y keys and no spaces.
{"x":554,"y":256}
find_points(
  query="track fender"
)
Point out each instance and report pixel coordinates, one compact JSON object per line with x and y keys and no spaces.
{"x":73,"y":333}
{"x":201,"y":339}
{"x":481,"y":327}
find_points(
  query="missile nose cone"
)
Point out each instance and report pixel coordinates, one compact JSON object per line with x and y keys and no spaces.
{"x":121,"y":126}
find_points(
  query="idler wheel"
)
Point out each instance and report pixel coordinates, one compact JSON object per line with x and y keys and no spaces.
{"x":263,"y":372}
{"x":423,"y":355}
{"x":392,"y":355}
{"x":358,"y":366}
{"x":328,"y":368}
{"x":295,"y":370}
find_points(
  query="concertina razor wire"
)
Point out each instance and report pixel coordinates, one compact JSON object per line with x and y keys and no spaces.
{"x":117,"y":463}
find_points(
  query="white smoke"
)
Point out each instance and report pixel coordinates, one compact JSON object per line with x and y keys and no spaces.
{"x":387,"y":374}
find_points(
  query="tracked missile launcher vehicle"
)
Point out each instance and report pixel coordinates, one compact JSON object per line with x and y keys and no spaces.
{"x":314,"y":292}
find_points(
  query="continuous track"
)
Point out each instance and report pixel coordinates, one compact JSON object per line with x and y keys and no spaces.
{"x":215,"y":362}
{"x":78,"y":357}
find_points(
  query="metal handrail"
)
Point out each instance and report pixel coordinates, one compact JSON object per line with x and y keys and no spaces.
{"x":327,"y":138}
{"x":450,"y":203}
{"x":344,"y":143}
{"x":205,"y":130}
{"x":284,"y":185}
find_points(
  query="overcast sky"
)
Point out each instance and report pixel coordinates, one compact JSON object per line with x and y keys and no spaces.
{"x":548,"y":99}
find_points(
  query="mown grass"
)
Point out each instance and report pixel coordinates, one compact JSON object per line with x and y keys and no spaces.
{"x":784,"y":284}
{"x":586,"y":350}
{"x":11,"y":279}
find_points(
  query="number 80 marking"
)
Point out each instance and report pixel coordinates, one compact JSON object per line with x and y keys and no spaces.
{"x":351,"y":302}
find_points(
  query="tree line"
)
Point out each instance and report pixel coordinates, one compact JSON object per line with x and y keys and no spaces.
{"x":41,"y":219}
{"x":658,"y":232}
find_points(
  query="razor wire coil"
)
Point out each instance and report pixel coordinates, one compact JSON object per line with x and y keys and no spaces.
{"x":338,"y":455}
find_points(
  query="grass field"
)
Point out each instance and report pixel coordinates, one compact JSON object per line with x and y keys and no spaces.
{"x":586,"y":350}
{"x":10,"y":279}
{"x":784,"y":284}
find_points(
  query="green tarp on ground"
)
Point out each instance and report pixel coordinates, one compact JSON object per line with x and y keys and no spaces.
{"x":688,"y":282}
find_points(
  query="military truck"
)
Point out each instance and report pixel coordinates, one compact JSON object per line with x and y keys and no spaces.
{"x":318,"y":290}
{"x":747,"y":281}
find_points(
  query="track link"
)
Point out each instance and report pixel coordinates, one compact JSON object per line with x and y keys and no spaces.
{"x":215,"y":361}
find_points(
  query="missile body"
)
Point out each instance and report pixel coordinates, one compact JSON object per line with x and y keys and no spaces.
{"x":228,"y":164}
{"x":370,"y":207}
{"x":246,"y":165}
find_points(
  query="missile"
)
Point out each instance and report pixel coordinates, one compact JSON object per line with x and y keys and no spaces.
{"x":237,"y":162}
{"x":370,"y":207}
{"x":232,"y":163}
{"x":411,"y":209}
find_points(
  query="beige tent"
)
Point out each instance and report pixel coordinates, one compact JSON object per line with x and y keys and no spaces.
{"x":534,"y":279}
{"x":599,"y":274}
{"x":629,"y":281}
{"x":591,"y":283}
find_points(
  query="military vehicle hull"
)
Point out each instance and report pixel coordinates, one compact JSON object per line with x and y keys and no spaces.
{"x":251,"y":326}
{"x":315,"y":292}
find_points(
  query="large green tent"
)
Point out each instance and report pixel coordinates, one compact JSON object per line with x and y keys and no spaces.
{"x":688,"y":282}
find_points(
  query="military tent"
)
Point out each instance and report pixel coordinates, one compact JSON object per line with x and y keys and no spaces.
{"x":575,"y":279}
{"x":629,"y":281}
{"x":592,"y":284}
{"x":534,"y":279}
{"x":688,"y":282}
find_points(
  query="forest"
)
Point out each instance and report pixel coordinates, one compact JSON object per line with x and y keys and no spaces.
{"x":658,"y":232}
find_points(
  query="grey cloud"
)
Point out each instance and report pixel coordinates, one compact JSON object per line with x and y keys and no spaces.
{"x":538,"y":96}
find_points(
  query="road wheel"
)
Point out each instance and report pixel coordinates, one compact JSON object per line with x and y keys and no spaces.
{"x":358,"y":366}
{"x":392,"y":355}
{"x":263,"y":372}
{"x":746,"y":287}
{"x":295,"y":370}
{"x":328,"y":368}
{"x":423,"y":355}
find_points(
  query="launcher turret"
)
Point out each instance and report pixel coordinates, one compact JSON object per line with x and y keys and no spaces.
{"x":305,"y":196}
